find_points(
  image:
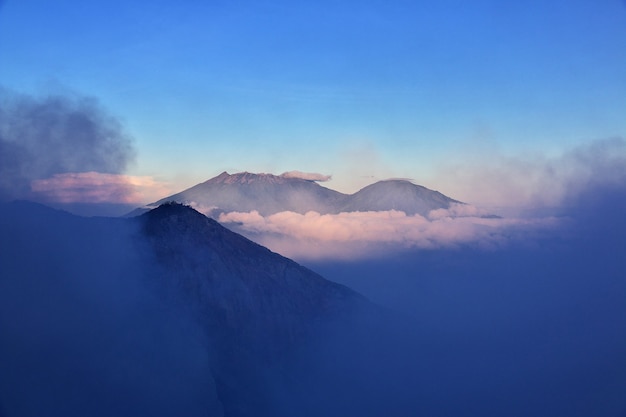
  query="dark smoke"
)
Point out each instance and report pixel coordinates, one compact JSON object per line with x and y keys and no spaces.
{"x":54,"y":134}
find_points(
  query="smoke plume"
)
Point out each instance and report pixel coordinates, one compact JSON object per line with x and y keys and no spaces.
{"x":48,"y":135}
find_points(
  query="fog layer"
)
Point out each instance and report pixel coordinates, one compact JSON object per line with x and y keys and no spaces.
{"x":534,"y":328}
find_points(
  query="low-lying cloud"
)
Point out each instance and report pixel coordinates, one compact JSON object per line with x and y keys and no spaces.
{"x":42,"y":136}
{"x":359,"y":234}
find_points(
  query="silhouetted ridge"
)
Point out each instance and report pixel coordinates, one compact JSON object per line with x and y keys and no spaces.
{"x":258,"y":308}
{"x":253,"y":292}
{"x":168,"y":313}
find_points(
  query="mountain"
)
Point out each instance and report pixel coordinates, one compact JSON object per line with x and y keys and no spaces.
{"x":257,"y":306}
{"x":401,"y":195}
{"x":264,"y":193}
{"x":269,"y":194}
{"x":170,"y":313}
{"x":83,"y":332}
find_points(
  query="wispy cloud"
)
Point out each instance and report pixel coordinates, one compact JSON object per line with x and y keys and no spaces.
{"x":534,"y":180}
{"x":309,"y":176}
{"x":96,"y":187}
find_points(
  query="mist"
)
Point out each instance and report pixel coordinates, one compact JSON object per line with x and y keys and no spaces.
{"x":86,"y":328}
{"x":536,"y":327}
{"x":102,"y":321}
{"x":491,"y":178}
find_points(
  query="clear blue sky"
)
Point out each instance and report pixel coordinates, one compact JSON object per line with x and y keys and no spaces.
{"x":364,"y":87}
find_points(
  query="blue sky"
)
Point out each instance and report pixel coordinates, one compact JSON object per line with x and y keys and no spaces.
{"x":360,"y":90}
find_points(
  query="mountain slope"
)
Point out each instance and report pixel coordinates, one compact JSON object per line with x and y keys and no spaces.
{"x":398,"y":195}
{"x":257,"y":307}
{"x":170,"y":313}
{"x":250,"y":291}
{"x":82,"y":331}
{"x":264,"y":193}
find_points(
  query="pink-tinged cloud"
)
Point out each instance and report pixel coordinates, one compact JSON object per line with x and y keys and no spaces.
{"x":309,"y":176}
{"x":355,"y":234}
{"x":458,"y":210}
{"x":96,"y":187}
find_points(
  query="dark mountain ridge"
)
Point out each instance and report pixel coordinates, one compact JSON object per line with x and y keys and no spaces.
{"x":240,"y":285}
{"x":170,"y":313}
{"x":258,"y":308}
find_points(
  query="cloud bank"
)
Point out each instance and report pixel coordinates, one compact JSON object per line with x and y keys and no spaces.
{"x":309,"y":176}
{"x":44,"y":136}
{"x":360,"y":234}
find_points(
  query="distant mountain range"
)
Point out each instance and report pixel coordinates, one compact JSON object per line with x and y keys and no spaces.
{"x":269,"y":194}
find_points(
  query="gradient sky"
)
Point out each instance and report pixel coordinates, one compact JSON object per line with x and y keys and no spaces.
{"x":360,"y":90}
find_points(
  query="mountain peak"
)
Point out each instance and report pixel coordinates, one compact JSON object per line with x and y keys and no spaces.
{"x":247,"y":178}
{"x":224,"y":175}
{"x":173,"y":208}
{"x":174,"y":218}
{"x":398,"y":194}
{"x":265,"y":193}
{"x":243,"y":284}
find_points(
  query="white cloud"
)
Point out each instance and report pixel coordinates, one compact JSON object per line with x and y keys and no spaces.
{"x":458,"y":210}
{"x":309,"y":176}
